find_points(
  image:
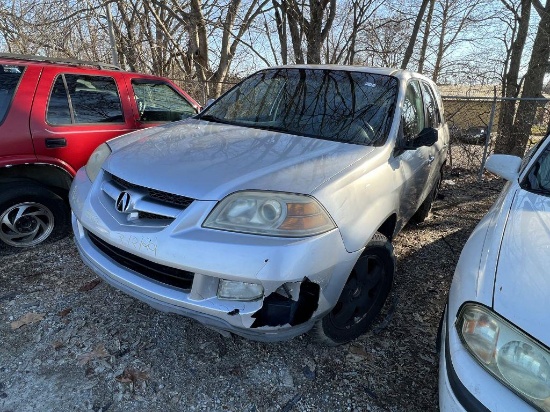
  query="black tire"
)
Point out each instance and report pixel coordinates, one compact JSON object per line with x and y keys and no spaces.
{"x":30,"y":214}
{"x":423,"y":211}
{"x":439,"y":338}
{"x":363,"y":296}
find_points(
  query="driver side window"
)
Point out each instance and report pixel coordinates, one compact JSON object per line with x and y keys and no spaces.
{"x":413,"y":112}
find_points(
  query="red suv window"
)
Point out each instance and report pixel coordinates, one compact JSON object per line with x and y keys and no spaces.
{"x":159,"y":102}
{"x":80,"y":99}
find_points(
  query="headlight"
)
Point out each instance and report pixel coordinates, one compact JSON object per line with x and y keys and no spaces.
{"x":270,"y":213}
{"x":234,"y":290}
{"x":96,"y":160}
{"x":507,"y":353}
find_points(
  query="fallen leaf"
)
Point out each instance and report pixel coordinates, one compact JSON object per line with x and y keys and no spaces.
{"x":27,"y":319}
{"x":98,"y":352}
{"x":132,"y":375}
{"x":58,"y":345}
{"x":90,"y":285}
{"x":65,"y":312}
{"x":359,"y":351}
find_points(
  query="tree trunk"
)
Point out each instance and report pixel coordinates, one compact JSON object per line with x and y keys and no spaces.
{"x":280,"y":19}
{"x":533,"y":82}
{"x":425,"y":37}
{"x":505,"y":140}
{"x":414,"y":35}
{"x":314,"y":31}
{"x":198,"y":42}
{"x":440,"y":48}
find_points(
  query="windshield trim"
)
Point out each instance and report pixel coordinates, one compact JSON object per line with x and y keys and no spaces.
{"x":540,"y":150}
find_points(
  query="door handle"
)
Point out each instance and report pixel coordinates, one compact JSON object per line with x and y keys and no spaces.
{"x":53,"y":143}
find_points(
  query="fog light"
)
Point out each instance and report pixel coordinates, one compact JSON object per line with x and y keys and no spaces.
{"x":233,"y":290}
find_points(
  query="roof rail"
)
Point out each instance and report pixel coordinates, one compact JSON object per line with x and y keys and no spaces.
{"x":62,"y":60}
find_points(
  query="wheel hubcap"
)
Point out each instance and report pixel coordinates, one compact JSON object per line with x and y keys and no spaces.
{"x":26,"y":224}
{"x":360,"y":292}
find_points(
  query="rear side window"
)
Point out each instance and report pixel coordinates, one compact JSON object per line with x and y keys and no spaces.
{"x":413,"y":111}
{"x":9,"y":80}
{"x":84,"y":99}
{"x":158,"y":102}
{"x":431,"y":107}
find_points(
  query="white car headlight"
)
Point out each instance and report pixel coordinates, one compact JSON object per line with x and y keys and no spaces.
{"x":99,"y":155}
{"x":270,"y":213}
{"x":510,"y":355}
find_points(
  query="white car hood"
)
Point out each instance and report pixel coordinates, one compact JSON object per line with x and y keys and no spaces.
{"x":207,"y":161}
{"x":522,"y":284}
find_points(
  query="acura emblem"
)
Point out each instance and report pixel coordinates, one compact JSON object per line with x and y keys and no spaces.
{"x":123,"y":202}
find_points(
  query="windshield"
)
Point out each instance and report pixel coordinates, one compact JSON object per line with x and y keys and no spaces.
{"x":345,"y":106}
{"x":538,"y":178}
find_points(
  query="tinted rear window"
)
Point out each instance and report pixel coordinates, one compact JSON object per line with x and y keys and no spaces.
{"x":93,"y":99}
{"x":9,"y":79}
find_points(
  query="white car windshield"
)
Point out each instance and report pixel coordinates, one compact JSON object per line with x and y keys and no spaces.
{"x":538,"y":178}
{"x":338,"y":105}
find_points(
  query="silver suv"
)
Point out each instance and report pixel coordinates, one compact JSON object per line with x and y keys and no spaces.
{"x":271,"y":212}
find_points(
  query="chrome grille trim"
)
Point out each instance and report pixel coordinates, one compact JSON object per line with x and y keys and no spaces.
{"x":164,"y":197}
{"x":148,"y":204}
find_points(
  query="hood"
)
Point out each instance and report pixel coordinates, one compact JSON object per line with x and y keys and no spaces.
{"x":207,"y":161}
{"x":522,"y":286}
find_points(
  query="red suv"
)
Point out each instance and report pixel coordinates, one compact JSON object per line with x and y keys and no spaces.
{"x":53,"y":114}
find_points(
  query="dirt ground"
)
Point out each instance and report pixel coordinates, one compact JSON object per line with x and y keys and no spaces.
{"x":82,"y":345}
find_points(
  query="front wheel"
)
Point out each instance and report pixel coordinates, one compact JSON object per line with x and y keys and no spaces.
{"x":30,"y":214}
{"x":363,"y":296}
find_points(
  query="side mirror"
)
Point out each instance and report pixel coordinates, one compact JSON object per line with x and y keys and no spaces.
{"x":505,"y":166}
{"x":427,"y":137}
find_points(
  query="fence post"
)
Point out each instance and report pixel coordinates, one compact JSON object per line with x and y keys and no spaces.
{"x":488,"y":133}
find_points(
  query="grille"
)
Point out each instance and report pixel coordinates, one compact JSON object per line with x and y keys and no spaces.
{"x":147,"y":215}
{"x":164,"y":274}
{"x":165,"y":197}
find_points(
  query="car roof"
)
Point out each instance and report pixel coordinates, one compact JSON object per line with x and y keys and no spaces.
{"x":20,"y":59}
{"x":387,"y":71}
{"x":23,"y":60}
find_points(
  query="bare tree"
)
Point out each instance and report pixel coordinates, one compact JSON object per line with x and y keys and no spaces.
{"x":311,"y":21}
{"x":533,"y":80}
{"x":343,"y":41}
{"x":416,"y":28}
{"x":425,"y":37}
{"x":453,"y":21}
{"x":510,"y":83}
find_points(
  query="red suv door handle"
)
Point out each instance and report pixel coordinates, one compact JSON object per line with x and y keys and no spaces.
{"x":56,"y":142}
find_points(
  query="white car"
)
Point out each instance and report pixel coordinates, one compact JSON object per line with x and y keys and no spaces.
{"x":273,"y":210}
{"x":495,"y":334}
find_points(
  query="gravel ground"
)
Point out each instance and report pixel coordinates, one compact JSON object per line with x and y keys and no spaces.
{"x":86,"y":346}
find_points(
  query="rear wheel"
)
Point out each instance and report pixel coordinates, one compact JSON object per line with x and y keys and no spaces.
{"x":363,"y":296}
{"x":30,"y":214}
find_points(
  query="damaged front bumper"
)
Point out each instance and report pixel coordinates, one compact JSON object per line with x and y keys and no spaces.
{"x":301,"y":278}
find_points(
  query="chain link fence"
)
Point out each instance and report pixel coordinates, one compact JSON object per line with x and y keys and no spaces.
{"x":477,"y":122}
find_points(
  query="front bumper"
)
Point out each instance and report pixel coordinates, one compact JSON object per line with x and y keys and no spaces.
{"x":211,"y":255}
{"x":464,"y":385}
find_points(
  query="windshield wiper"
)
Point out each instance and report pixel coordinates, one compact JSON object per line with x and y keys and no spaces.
{"x":212,"y":118}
